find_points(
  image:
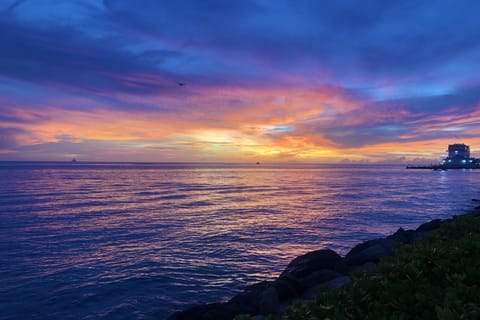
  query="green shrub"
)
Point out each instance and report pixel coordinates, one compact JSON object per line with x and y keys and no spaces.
{"x":438,"y":277}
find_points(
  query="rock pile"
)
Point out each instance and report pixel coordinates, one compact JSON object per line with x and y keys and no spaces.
{"x":303,"y":277}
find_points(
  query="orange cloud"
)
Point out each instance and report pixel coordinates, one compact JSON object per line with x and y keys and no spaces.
{"x":233,"y":124}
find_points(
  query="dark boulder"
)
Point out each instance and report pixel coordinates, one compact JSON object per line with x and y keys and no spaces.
{"x":251,"y":301}
{"x":318,"y":277}
{"x":200,"y":312}
{"x":338,"y":282}
{"x":430,"y":226}
{"x":403,"y":236}
{"x":418,"y":236}
{"x":287,"y":287}
{"x":306,"y":264}
{"x":269,"y":301}
{"x":368,"y":268}
{"x":370,"y":251}
{"x":248,"y":300}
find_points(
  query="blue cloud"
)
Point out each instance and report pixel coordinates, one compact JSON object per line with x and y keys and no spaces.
{"x":215,"y":42}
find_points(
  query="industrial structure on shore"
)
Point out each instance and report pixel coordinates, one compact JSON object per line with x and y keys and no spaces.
{"x":458,"y":158}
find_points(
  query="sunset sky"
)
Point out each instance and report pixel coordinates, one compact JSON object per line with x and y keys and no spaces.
{"x":238,"y":81}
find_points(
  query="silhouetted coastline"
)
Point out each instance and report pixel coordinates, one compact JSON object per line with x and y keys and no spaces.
{"x":306,"y":274}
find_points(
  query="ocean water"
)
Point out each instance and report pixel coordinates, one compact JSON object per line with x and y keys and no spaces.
{"x":139,"y":241}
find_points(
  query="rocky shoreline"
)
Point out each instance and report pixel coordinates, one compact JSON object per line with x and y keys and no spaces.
{"x":304,"y":275}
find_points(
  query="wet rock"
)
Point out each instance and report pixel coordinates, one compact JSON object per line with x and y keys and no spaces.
{"x":318,"y":277}
{"x":430,"y":226}
{"x":306,"y":264}
{"x":370,"y":251}
{"x":197,"y":312}
{"x":418,"y":236}
{"x":341,"y":267}
{"x":287,"y":287}
{"x":311,"y":293}
{"x":226,"y":311}
{"x":402,"y":236}
{"x":248,"y":300}
{"x":269,"y":301}
{"x":366,"y":267}
{"x":284,"y":305}
{"x":338,"y":282}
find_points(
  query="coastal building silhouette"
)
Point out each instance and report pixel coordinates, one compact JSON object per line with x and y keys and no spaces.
{"x":459,"y":150}
{"x":459,"y":157}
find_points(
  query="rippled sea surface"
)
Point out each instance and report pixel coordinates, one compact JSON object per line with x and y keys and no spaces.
{"x":139,"y":241}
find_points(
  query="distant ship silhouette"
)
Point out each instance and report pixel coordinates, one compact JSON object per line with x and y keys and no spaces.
{"x":74,"y":160}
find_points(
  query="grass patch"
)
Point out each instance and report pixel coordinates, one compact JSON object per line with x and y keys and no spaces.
{"x":438,"y":277}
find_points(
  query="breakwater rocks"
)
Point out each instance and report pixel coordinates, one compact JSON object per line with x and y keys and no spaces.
{"x":304,"y":276}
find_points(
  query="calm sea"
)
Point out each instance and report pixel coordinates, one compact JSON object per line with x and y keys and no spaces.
{"x":139,"y":241}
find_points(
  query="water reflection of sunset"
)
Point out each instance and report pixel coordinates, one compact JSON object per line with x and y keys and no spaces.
{"x":101,"y":234}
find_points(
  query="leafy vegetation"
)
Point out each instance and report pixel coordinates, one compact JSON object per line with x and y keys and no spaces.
{"x":438,"y":277}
